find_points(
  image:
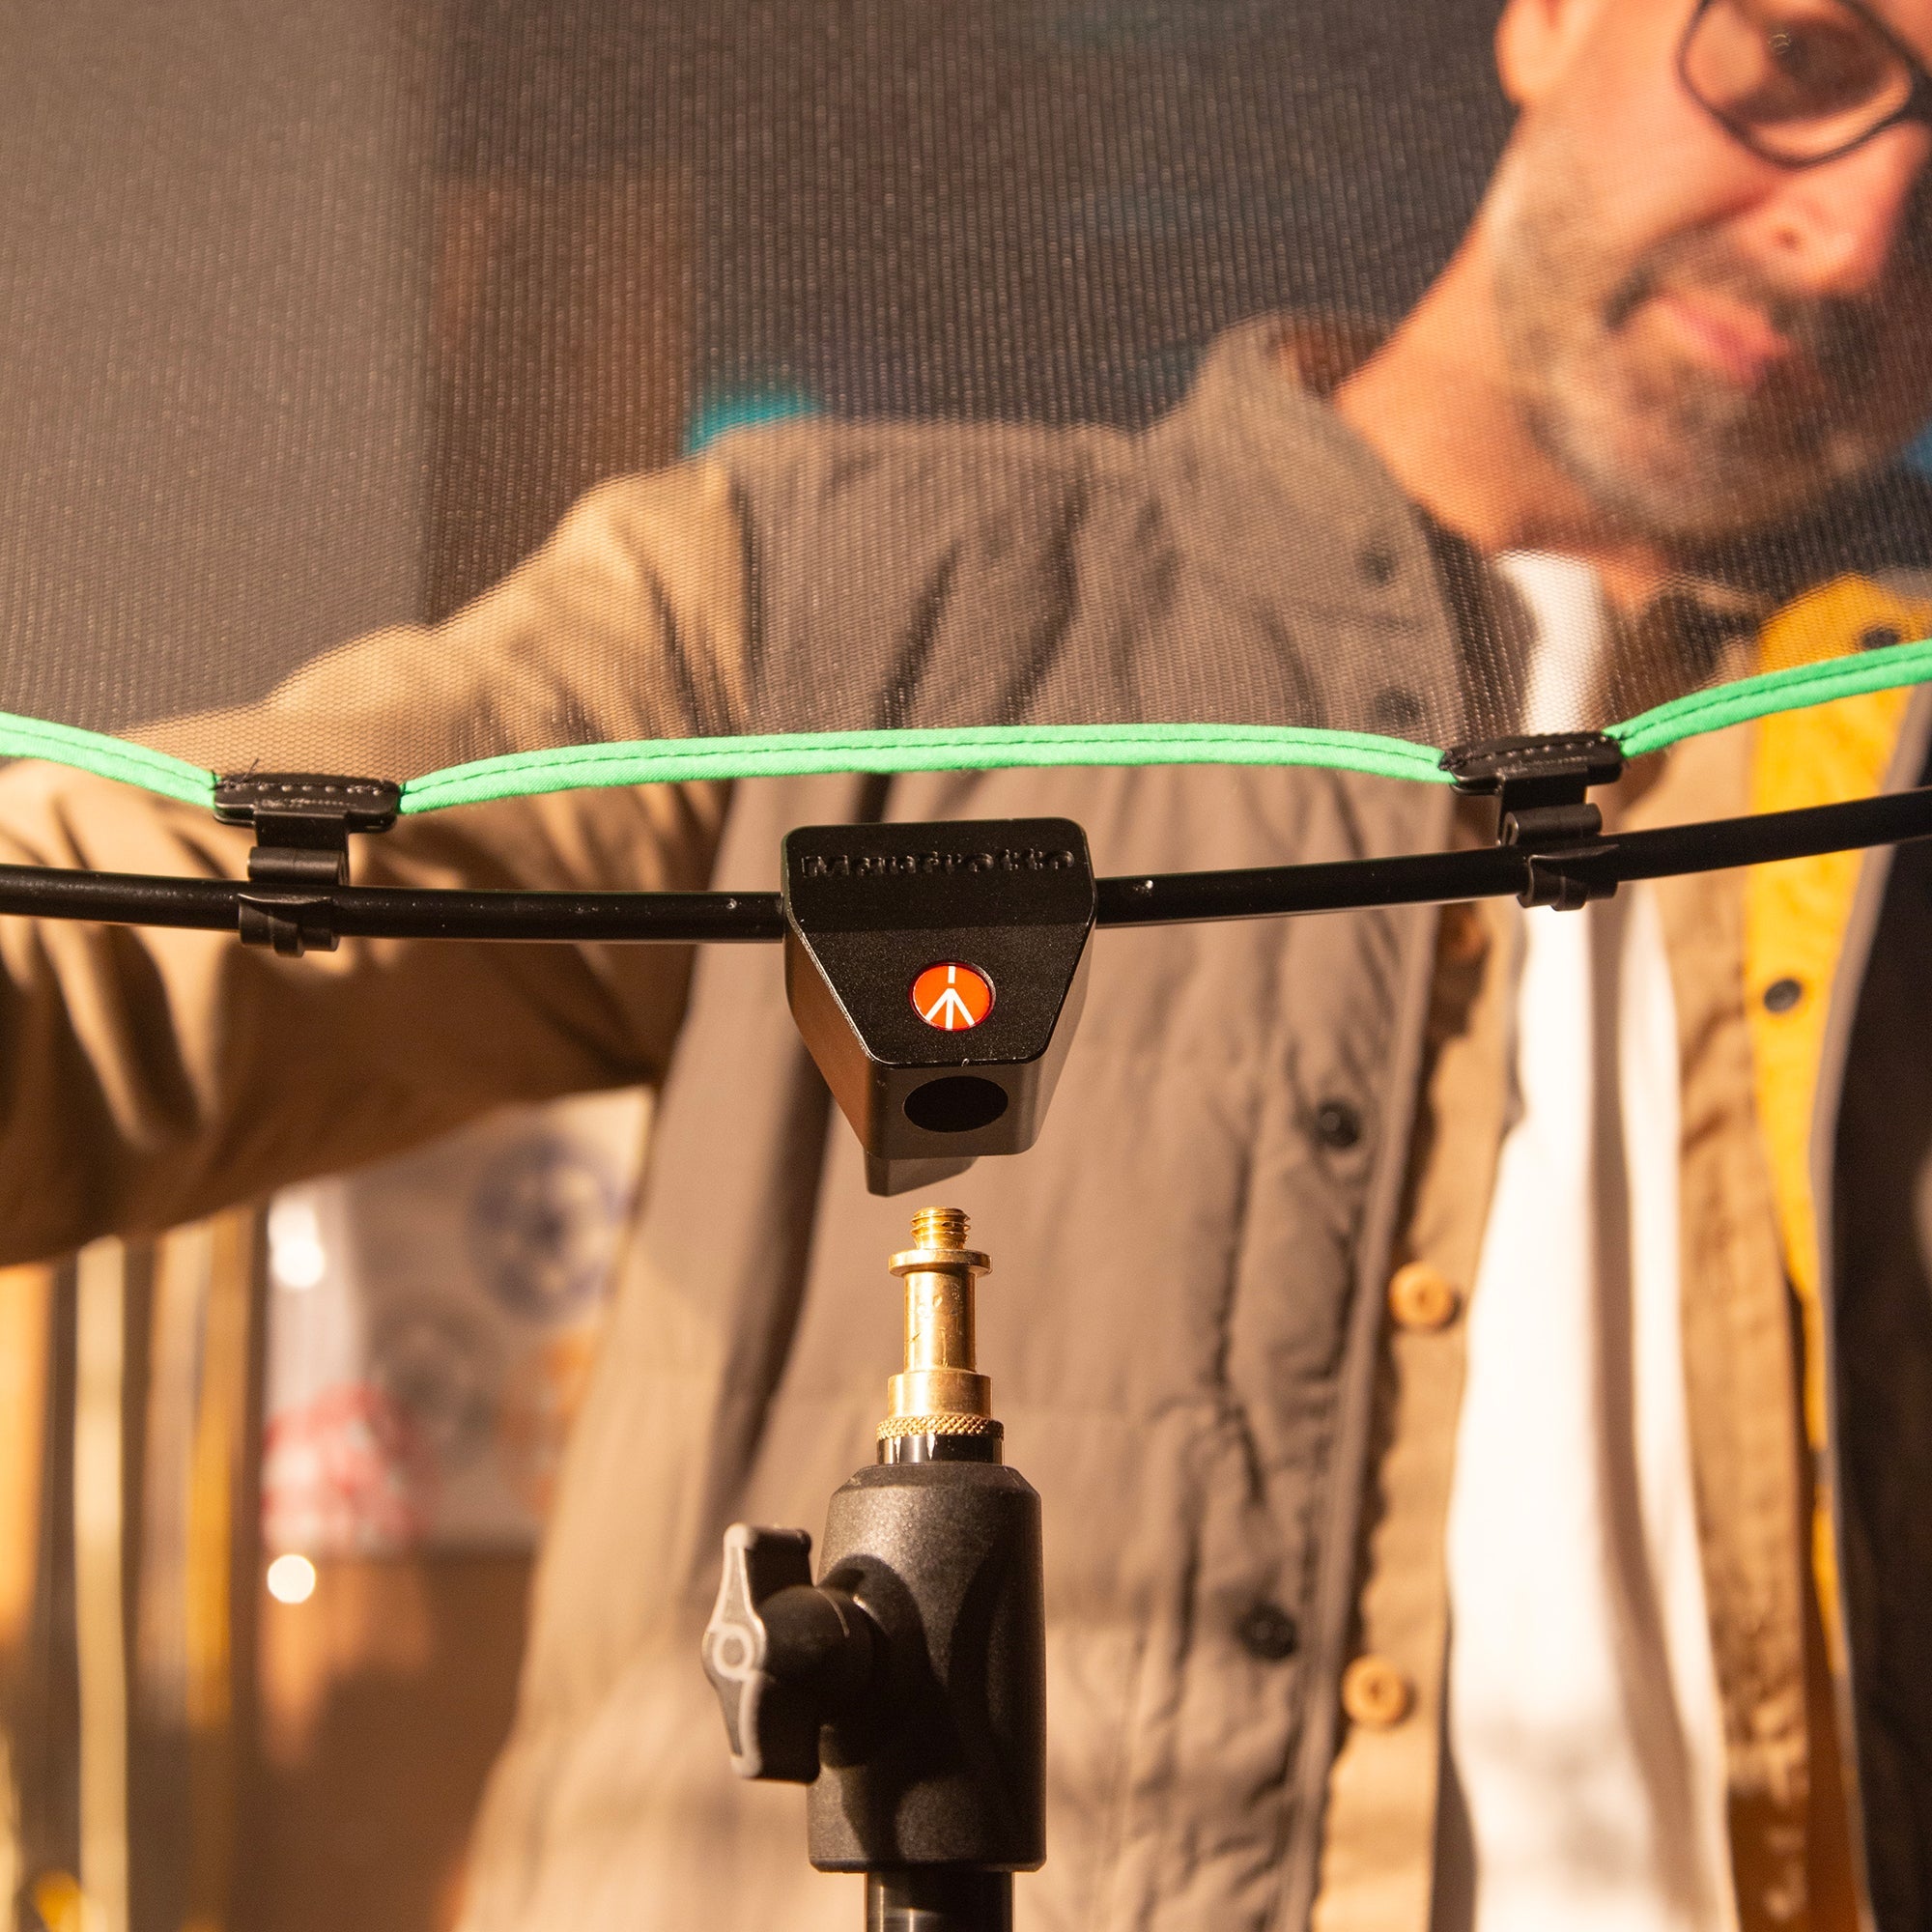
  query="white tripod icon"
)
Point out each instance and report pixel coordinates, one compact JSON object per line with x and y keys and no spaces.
{"x":950,"y":1013}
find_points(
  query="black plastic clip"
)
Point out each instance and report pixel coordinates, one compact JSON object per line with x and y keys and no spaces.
{"x":302,"y":821}
{"x":1540,"y":785}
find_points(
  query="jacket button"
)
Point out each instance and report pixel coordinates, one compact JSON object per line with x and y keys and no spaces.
{"x":1375,"y":1693}
{"x":1462,"y":938}
{"x":1423,"y":1297}
{"x":1782,"y":996}
{"x":1337,"y":1124}
{"x":1269,"y":1633}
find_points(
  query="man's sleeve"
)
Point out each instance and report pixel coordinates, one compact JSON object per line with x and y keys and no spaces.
{"x":147,"y":1077}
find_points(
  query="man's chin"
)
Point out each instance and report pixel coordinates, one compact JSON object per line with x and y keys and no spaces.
{"x":1658,"y":473}
{"x":1681,"y":503}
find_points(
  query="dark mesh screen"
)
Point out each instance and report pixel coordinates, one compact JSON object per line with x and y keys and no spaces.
{"x":318,"y":321}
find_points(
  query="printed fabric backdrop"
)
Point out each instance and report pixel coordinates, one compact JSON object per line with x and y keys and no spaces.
{"x":432,"y":1322}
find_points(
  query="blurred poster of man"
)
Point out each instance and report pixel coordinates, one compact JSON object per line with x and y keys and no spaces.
{"x":1428,"y":1492}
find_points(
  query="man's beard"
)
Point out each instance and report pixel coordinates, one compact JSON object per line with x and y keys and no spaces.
{"x":1665,"y":448}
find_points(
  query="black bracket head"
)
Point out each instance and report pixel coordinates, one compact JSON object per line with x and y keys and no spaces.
{"x":936,"y":973}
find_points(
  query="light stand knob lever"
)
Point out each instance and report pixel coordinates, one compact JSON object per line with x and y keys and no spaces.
{"x":785,"y":1656}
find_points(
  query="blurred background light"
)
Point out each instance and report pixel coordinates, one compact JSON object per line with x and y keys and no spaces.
{"x":297,"y":1257}
{"x":292,"y":1580}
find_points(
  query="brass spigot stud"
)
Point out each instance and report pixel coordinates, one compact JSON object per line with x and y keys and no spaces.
{"x":941,"y":1391}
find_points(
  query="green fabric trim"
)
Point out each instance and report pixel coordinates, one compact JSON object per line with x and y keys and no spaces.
{"x":107,"y":757}
{"x":986,"y":747}
{"x":983,"y":749}
{"x":1886,"y":669}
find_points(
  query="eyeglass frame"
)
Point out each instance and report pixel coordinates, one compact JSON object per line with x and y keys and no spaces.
{"x":1916,"y":106}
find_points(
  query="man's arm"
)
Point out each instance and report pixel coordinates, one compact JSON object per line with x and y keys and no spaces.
{"x":631,"y":622}
{"x":150,"y":1076}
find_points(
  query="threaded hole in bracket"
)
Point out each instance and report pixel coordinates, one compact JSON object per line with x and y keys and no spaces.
{"x":957,"y":1104}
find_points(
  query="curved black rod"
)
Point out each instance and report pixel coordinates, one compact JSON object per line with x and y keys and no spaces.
{"x":384,"y":912}
{"x":1504,"y":871}
{"x":1421,"y":878}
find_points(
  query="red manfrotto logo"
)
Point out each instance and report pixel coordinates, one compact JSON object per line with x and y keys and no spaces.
{"x":953,"y":997}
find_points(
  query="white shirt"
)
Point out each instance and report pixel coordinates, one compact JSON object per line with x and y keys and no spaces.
{"x":1584,"y":1782}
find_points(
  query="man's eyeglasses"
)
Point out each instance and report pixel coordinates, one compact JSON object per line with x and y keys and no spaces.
{"x":1802,"y":81}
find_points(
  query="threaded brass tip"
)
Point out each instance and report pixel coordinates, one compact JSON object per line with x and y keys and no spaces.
{"x":940,"y":1387}
{"x":939,"y":1227}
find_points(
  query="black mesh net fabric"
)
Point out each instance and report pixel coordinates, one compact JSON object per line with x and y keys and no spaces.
{"x":981,"y":353}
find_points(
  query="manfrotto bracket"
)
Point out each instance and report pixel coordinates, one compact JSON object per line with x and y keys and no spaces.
{"x":936,"y":973}
{"x":302,"y":822}
{"x":1541,"y":785}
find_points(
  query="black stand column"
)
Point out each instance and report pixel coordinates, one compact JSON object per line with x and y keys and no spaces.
{"x":936,"y":1899}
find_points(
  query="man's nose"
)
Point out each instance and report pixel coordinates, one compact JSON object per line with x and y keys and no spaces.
{"x":1833,"y":229}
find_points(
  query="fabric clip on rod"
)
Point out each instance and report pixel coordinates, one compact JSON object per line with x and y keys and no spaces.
{"x":302,"y":822}
{"x":1541,"y":784}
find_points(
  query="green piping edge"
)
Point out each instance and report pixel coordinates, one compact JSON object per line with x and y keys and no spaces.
{"x":974,"y":749}
{"x":521,"y":773}
{"x":990,"y":747}
{"x":107,"y":757}
{"x":1889,"y":667}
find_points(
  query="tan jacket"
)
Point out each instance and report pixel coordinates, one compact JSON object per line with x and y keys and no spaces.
{"x":1242,"y":1449}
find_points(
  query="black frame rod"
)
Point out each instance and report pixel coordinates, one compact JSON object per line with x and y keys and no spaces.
{"x":1422,"y":878}
{"x":384,"y":912}
{"x":1504,"y":871}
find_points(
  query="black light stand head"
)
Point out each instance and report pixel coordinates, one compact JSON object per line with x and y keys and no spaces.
{"x":936,"y":973}
{"x":907,"y":1685}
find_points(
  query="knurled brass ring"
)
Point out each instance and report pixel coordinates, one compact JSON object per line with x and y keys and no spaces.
{"x":895,"y":1426}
